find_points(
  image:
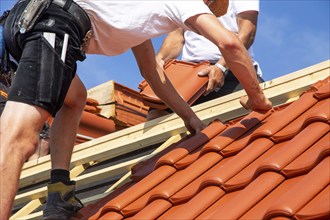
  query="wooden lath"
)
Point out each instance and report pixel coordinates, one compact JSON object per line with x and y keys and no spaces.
{"x":281,"y":90}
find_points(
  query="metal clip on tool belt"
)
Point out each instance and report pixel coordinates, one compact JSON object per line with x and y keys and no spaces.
{"x":31,"y":13}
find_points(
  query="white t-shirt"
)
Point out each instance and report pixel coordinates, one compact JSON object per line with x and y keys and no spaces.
{"x":120,"y":25}
{"x":197,"y":48}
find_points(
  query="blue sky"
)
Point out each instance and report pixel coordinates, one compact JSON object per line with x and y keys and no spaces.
{"x":291,"y":35}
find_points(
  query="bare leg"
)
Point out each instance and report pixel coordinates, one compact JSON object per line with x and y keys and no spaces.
{"x":42,"y":150}
{"x":20,"y":127}
{"x":65,"y":125}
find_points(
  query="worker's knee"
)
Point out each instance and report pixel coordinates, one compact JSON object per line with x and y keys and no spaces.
{"x":76,"y":96}
{"x":76,"y":100}
{"x":18,"y":146}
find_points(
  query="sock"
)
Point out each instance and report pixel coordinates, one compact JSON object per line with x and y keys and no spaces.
{"x":59,"y":175}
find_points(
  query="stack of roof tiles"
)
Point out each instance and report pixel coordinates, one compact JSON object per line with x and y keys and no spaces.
{"x":263,"y":166}
{"x":129,"y":110}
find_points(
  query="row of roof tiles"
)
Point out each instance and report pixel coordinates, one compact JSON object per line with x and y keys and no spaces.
{"x":263,"y":166}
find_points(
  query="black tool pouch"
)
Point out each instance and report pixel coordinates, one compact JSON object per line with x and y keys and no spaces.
{"x":31,"y":13}
{"x":5,"y":70}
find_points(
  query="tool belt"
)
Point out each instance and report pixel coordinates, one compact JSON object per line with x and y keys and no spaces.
{"x":77,"y":12}
{"x":35,"y":8}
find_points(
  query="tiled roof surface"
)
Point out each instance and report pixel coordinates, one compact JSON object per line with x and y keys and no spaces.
{"x":263,"y":166}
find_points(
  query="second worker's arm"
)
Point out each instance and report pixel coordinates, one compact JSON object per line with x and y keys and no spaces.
{"x":247,"y":27}
{"x":236,"y":56}
{"x":171,"y":47}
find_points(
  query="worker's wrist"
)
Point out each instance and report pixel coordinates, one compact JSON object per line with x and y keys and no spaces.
{"x":222,"y":68}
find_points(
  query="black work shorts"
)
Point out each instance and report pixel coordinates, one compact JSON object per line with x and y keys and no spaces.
{"x":42,"y":78}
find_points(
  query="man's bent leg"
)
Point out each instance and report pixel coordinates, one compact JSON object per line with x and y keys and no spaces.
{"x":61,"y":201}
{"x":20,"y":127}
{"x":65,"y":125}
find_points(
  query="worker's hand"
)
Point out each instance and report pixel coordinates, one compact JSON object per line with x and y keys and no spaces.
{"x":261,"y":105}
{"x":216,"y":78}
{"x":194,"y":125}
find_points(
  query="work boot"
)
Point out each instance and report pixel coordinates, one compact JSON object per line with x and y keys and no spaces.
{"x":61,"y":202}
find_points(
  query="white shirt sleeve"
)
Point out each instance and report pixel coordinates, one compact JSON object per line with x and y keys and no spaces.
{"x":246,"y":5}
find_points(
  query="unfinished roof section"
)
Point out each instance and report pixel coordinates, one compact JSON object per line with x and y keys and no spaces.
{"x":264,"y":166}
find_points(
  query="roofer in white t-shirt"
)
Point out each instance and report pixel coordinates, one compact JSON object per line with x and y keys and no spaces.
{"x":46,"y":83}
{"x":241,"y":18}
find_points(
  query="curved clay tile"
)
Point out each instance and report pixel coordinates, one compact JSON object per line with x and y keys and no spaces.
{"x":294,"y":199}
{"x":239,"y":144}
{"x":139,"y":189}
{"x":280,"y":119}
{"x":296,"y":146}
{"x":152,"y":211}
{"x":111,"y":215}
{"x":187,"y":160}
{"x":310,"y":158}
{"x":220,"y":202}
{"x":94,"y":126}
{"x":320,"y":84}
{"x":322,"y":113}
{"x":191,"y":144}
{"x":94,"y":211}
{"x":169,"y":211}
{"x":182,"y":150}
{"x":247,"y":198}
{"x":174,"y":183}
{"x":92,"y":109}
{"x":196,"y":205}
{"x":220,"y":174}
{"x":235,"y":133}
{"x":193,"y":188}
{"x":318,"y":208}
{"x":319,"y":112}
{"x":252,"y":171}
{"x":258,"y":210}
{"x":145,"y":167}
{"x":324,"y":91}
{"x":92,"y":102}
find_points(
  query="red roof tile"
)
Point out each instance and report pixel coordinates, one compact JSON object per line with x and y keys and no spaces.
{"x":264,"y":166}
